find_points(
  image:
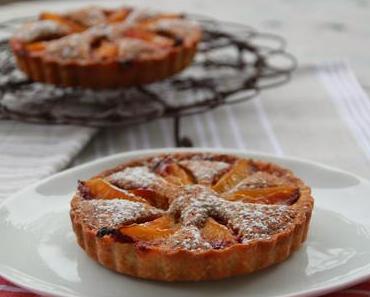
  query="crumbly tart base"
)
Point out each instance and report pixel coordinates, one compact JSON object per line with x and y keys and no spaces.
{"x":103,"y":75}
{"x":183,"y":265}
{"x":153,"y":262}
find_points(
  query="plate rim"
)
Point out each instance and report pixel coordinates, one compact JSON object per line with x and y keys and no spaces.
{"x":145,"y":152}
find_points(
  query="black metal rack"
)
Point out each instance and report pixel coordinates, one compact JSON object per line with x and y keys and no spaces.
{"x":233,"y":64}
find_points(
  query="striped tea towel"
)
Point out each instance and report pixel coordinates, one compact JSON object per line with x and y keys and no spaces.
{"x":30,"y":152}
{"x":323,"y":114}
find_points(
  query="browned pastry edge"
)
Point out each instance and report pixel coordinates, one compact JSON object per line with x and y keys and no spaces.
{"x":195,"y":265}
{"x":103,"y":75}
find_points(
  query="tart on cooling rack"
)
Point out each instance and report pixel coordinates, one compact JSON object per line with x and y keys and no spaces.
{"x":191,"y":216}
{"x":99,"y":48}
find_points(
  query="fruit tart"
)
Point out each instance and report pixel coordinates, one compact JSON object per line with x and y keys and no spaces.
{"x":191,"y":216}
{"x":93,"y":47}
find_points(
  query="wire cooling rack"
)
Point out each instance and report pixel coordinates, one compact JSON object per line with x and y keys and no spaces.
{"x":233,"y":64}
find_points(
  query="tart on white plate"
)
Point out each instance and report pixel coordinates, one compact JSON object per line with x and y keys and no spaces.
{"x":191,"y":216}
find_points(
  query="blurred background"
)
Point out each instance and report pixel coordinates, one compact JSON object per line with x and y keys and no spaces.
{"x":315,"y":30}
{"x":321,"y":114}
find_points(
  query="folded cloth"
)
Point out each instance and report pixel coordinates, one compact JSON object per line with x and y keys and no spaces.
{"x":323,"y":115}
{"x":30,"y":152}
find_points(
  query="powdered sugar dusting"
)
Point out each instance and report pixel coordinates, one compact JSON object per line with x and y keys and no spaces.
{"x":256,"y":221}
{"x":131,"y":48}
{"x":205,"y":171}
{"x":135,"y":177}
{"x":248,"y":221}
{"x":88,"y":16}
{"x":78,"y":45}
{"x":114,"y":213}
{"x":188,"y":238}
{"x":195,"y":203}
{"x":259,"y":180}
{"x":40,"y":30}
{"x":190,"y":207}
{"x":69,"y":47}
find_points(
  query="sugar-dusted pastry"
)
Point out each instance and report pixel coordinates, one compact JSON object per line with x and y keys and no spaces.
{"x":93,"y":47}
{"x":191,"y":217}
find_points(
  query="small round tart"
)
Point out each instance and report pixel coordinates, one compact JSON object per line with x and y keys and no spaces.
{"x":105,"y":48}
{"x":191,"y":217}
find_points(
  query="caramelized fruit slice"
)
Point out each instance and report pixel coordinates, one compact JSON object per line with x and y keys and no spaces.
{"x":35,"y":46}
{"x":238,"y":172}
{"x":216,"y":234}
{"x":150,"y":37}
{"x":61,"y":20}
{"x":174,"y":173}
{"x":100,"y":188}
{"x":152,"y":197}
{"x":156,"y":229}
{"x":118,"y":16}
{"x":107,"y":50}
{"x":286,"y":195}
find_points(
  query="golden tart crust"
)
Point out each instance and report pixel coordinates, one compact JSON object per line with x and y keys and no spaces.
{"x":176,"y":217}
{"x":105,"y":48}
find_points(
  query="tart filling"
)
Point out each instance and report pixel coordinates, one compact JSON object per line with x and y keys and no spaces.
{"x":202,"y":205}
{"x":102,"y":39}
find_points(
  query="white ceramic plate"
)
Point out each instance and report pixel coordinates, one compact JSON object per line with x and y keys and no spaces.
{"x":38,"y":249}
